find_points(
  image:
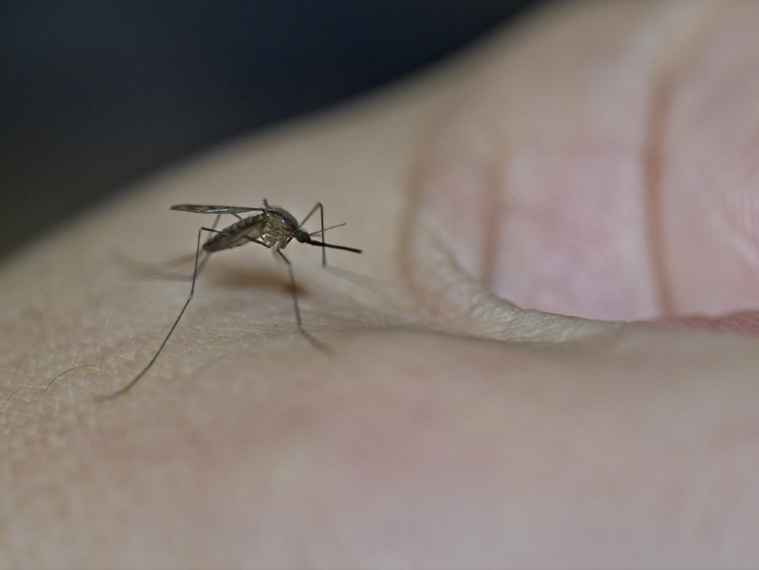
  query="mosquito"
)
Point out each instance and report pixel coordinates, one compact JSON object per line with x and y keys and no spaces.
{"x":272,"y":227}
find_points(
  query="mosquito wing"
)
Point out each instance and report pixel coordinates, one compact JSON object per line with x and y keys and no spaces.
{"x":205,"y":209}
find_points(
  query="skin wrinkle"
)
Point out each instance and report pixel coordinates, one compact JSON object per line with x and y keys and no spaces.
{"x":472,"y":309}
{"x":655,"y":152}
{"x":493,"y":182}
{"x":652,"y":190}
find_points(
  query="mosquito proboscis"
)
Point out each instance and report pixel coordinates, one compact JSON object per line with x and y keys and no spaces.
{"x":274,"y":228}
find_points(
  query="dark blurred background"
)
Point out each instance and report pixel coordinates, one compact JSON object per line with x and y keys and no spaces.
{"x":94,"y":95}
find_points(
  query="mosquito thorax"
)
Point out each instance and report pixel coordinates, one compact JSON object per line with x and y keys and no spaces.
{"x":284,"y":216}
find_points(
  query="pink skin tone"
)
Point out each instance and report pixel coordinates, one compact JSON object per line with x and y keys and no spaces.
{"x":617,"y":180}
{"x":599,"y":160}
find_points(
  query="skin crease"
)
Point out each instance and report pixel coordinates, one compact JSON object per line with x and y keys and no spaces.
{"x":598,"y":160}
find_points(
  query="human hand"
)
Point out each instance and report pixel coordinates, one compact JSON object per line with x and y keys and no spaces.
{"x":596,"y":162}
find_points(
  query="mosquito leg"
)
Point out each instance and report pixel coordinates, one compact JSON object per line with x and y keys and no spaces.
{"x":199,"y":265}
{"x":321,"y":235}
{"x":319,"y":207}
{"x":311,"y":213}
{"x":315,"y":343}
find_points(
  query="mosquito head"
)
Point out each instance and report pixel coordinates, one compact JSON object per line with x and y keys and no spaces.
{"x":302,"y":235}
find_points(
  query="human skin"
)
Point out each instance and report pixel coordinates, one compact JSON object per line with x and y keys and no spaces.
{"x":599,"y":160}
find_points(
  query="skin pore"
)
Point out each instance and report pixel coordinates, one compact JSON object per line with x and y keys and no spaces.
{"x":598,"y":161}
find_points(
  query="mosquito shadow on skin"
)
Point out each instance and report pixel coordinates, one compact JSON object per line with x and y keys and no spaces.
{"x":228,"y":274}
{"x":236,"y":276}
{"x":162,"y":271}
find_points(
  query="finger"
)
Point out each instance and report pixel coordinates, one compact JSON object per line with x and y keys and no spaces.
{"x":543,"y":182}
